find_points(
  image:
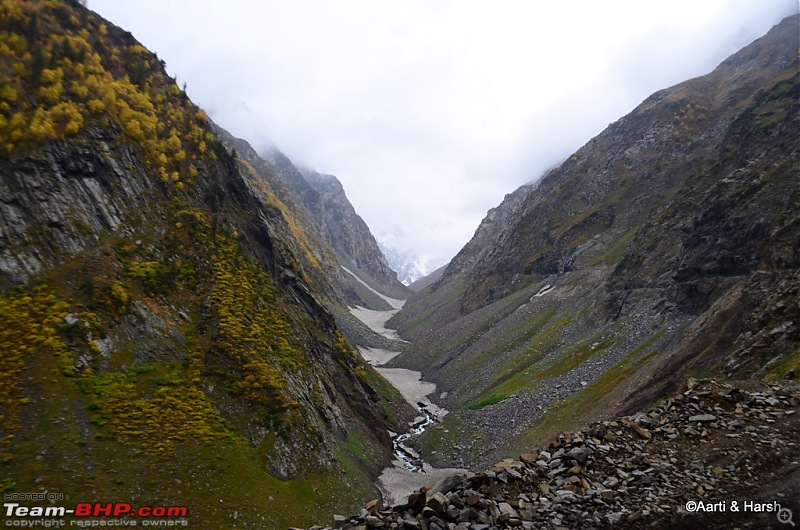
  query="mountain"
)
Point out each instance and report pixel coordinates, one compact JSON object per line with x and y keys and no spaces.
{"x":168,"y":317}
{"x":334,"y":244}
{"x":407,"y":264}
{"x":666,"y":247}
{"x":175,"y":307}
{"x":425,"y":281}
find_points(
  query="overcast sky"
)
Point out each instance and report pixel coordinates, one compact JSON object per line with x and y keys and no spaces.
{"x":429,"y":112}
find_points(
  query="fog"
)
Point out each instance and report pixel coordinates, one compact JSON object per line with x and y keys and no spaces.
{"x":430,"y":112}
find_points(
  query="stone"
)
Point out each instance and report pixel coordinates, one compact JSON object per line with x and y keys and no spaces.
{"x":632,"y":483}
{"x":473,"y":500}
{"x":579,"y":454}
{"x":703,"y":418}
{"x":447,"y":485}
{"x":506,"y":509}
{"x":565,"y":494}
{"x":438,"y":503}
{"x":373,"y":507}
{"x":374,"y":522}
{"x":638,"y":429}
{"x":416,"y":501}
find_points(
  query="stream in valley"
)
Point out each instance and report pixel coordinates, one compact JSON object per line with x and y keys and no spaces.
{"x":409,"y":472}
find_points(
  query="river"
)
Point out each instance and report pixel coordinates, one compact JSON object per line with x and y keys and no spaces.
{"x":408,"y":472}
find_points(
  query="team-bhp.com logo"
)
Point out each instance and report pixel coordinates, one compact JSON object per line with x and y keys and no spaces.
{"x":86,"y":514}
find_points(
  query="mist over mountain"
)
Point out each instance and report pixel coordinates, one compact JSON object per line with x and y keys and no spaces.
{"x":405,"y":262}
{"x":666,"y":247}
{"x":186,"y":321}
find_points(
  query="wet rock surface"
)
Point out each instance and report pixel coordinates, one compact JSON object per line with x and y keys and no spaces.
{"x":712,"y":445}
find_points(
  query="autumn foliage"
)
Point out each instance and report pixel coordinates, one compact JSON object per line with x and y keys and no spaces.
{"x":61,"y":72}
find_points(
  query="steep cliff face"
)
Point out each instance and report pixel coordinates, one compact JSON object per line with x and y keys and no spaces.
{"x":666,"y":246}
{"x":348,"y":233}
{"x":163,"y":340}
{"x":337,"y":235}
{"x":334,"y":245}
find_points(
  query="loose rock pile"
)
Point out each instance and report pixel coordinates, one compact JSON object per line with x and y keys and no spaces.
{"x":713,"y":443}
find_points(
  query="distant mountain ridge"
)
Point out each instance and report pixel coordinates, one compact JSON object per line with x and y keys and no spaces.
{"x":408,"y":265}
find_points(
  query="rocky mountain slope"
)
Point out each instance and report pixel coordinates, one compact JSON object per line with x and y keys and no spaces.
{"x":713,"y":456}
{"x":337,"y":234}
{"x":667,"y":246}
{"x":164,"y":317}
{"x":334,"y":244}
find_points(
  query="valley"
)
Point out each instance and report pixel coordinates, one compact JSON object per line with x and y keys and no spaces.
{"x":188,"y":320}
{"x":408,"y":471}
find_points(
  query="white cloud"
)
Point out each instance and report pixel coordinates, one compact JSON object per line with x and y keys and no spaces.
{"x":430,"y":112}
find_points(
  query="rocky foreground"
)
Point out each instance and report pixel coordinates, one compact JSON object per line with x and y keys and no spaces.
{"x":715,"y":456}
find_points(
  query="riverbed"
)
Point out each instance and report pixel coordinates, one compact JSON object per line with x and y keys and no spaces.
{"x":408,"y":472}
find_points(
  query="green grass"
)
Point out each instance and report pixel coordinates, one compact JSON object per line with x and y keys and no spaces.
{"x":449,"y":439}
{"x":490,"y":400}
{"x":574,"y":358}
{"x":529,"y":378}
{"x":615,"y":251}
{"x":217,"y":478}
{"x":516,"y":374}
{"x":565,"y":414}
{"x":779,"y":369}
{"x":509,"y":340}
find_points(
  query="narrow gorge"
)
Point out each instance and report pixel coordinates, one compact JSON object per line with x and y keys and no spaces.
{"x":408,"y":472}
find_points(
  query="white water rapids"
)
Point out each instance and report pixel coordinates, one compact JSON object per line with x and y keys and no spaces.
{"x":409,"y":471}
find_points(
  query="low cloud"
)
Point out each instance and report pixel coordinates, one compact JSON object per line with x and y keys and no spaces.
{"x":430,"y":112}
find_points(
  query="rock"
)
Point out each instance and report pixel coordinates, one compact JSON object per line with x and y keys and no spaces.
{"x":703,"y":418}
{"x":634,"y":482}
{"x":579,"y":454}
{"x":506,"y":509}
{"x":416,"y":501}
{"x":438,"y":503}
{"x":374,"y":522}
{"x":447,"y":485}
